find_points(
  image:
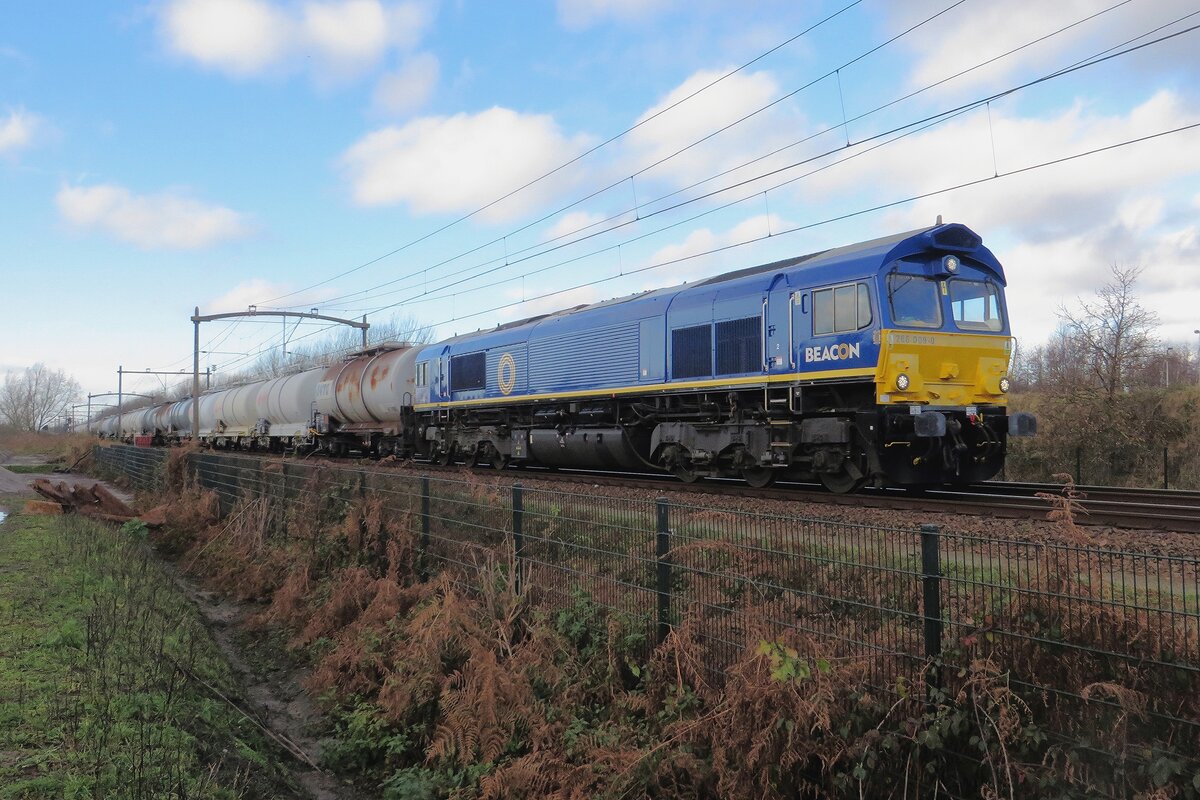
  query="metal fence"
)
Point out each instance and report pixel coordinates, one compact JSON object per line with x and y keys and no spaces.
{"x":1071,"y":625}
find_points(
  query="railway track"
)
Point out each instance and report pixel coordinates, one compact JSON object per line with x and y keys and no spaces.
{"x":1173,"y":510}
{"x":1153,"y":509}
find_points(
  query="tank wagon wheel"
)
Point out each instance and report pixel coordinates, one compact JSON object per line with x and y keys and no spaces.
{"x":499,"y":461}
{"x":841,"y":482}
{"x":758,"y":477}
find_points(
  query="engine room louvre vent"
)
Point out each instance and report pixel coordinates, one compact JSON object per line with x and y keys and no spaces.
{"x":691,"y":352}
{"x":738,"y":347}
{"x":956,"y":237}
{"x":468,"y":372}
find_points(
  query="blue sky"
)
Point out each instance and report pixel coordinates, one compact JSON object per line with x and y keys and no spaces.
{"x":217,"y":153}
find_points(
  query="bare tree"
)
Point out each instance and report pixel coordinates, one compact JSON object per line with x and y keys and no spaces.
{"x":31,"y":399}
{"x":1113,"y":335}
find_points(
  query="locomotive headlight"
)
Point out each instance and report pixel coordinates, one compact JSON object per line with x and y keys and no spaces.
{"x":950,"y":263}
{"x":1004,"y":384}
{"x":902,"y":382}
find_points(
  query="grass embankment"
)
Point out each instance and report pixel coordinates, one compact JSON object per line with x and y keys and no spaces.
{"x":101,"y":663}
{"x":24,"y":443}
{"x":30,"y":469}
{"x":444,"y":680}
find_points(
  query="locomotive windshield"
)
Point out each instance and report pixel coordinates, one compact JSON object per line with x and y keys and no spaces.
{"x":914,"y":300}
{"x":976,"y":305}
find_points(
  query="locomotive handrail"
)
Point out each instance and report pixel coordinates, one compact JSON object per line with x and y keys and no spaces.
{"x":791,"y":337}
{"x":763,"y":337}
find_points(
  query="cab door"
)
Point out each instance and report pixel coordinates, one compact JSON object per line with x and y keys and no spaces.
{"x":439,"y":381}
{"x":800,"y":310}
{"x":777,"y":327}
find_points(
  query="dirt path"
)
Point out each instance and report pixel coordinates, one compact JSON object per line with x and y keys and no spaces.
{"x":277,"y":699}
{"x":17,"y":483}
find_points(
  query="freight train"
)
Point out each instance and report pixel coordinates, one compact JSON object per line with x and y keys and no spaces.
{"x":884,"y":362}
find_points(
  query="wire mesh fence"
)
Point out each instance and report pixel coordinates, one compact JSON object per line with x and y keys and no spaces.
{"x":1093,"y":636}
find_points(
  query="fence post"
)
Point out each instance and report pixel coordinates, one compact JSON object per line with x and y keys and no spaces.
{"x":518,"y":510}
{"x":931,"y":584}
{"x":425,"y":527}
{"x":662,"y":551}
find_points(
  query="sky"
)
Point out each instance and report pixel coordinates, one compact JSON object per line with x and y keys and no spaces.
{"x":464,"y":164}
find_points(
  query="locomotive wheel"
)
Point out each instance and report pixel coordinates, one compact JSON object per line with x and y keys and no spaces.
{"x":444,"y":458}
{"x":687,"y":474}
{"x":840,"y":482}
{"x":758,"y":477}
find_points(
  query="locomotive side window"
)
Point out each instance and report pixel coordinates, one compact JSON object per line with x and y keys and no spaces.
{"x":468,"y":372}
{"x":914,"y":300}
{"x":423,"y":373}
{"x":976,"y":305}
{"x":841,"y":309}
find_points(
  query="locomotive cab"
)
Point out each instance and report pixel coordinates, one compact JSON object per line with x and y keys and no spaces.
{"x":941,"y":380}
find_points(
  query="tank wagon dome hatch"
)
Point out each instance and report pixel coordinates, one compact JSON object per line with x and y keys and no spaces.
{"x":378,"y":349}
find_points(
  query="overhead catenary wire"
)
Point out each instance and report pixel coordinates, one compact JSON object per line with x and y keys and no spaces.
{"x":584,"y":154}
{"x":837,"y":218}
{"x":423,"y":272}
{"x":942,"y":116}
{"x":682,"y":150}
{"x":1085,"y":63}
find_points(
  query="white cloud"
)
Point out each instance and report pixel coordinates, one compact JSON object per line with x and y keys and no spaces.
{"x":350,"y":36}
{"x":735,"y":97}
{"x":256,"y":290}
{"x":569,"y":298}
{"x":241,"y":37}
{"x":408,"y":87}
{"x":333,"y":39}
{"x":577,"y":15}
{"x":576,"y":224}
{"x":459,"y":163}
{"x":1056,"y":229}
{"x":996,"y":28}
{"x":696,"y":259}
{"x":1041,"y":203}
{"x":167,"y":220}
{"x":18,"y":131}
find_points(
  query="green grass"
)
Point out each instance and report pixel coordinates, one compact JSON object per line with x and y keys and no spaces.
{"x":100,"y":663}
{"x":30,"y":469}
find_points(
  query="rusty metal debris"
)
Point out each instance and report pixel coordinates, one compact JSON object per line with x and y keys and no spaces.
{"x":94,"y":501}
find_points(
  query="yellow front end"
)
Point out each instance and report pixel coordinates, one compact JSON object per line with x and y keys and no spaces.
{"x":942,"y":369}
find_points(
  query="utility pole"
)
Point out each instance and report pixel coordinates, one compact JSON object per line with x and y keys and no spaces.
{"x":1197,"y":332}
{"x":251,"y":312}
{"x":196,"y":376}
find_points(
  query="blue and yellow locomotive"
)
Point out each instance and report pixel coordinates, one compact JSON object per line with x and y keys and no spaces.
{"x":881,"y":362}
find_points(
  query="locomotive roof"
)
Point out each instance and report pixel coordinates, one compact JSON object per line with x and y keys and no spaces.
{"x":884,"y":250}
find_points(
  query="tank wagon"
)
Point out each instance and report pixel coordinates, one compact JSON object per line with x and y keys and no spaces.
{"x":883,"y":362}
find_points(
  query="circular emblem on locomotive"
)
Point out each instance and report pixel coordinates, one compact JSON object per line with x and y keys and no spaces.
{"x":506,"y":373}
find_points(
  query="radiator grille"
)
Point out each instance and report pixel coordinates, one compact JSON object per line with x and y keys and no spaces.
{"x":739,"y":346}
{"x":691,"y":352}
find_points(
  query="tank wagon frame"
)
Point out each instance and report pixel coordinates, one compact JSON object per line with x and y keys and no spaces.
{"x":884,"y":361}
